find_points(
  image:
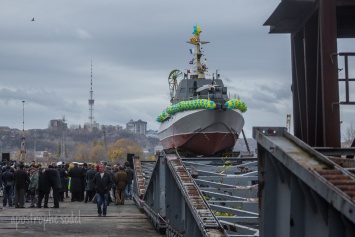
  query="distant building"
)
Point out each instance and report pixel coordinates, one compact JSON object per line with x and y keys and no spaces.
{"x":110,"y":128}
{"x":57,"y":124}
{"x":92,"y":127}
{"x":138,"y":127}
{"x":152,"y":133}
{"x":74,"y":127}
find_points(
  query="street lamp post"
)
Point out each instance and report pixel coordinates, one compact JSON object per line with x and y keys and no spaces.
{"x":23,"y":148}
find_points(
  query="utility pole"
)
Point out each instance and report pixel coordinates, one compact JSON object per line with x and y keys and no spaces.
{"x":35,"y":148}
{"x":23,"y":148}
{"x":62,"y":148}
{"x":104,"y":140}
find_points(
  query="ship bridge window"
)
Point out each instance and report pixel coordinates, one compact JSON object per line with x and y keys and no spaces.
{"x":224,"y":90}
{"x":182,"y":90}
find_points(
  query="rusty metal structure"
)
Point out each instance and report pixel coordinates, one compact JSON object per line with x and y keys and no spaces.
{"x":302,"y":192}
{"x":211,"y":196}
{"x":315,"y":26}
{"x":302,"y":185}
{"x":289,"y":189}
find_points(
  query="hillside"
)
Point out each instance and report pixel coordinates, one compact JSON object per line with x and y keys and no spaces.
{"x":50,"y":140}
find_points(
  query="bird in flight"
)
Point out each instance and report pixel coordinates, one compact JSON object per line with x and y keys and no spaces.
{"x":33,"y":19}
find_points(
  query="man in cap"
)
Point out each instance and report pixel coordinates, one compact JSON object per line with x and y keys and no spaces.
{"x":54,"y":179}
{"x":21,"y":181}
{"x":75,"y":183}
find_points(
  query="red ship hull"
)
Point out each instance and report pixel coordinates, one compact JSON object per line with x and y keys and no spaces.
{"x":202,"y":143}
{"x":202,"y":132}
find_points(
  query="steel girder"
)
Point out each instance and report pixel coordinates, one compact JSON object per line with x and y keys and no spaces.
{"x":301,"y":191}
{"x":199,"y":197}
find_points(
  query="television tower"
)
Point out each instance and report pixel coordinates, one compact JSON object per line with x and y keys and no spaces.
{"x":91,"y":103}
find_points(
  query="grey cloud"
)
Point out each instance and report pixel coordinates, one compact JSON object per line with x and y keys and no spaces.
{"x":134,"y":45}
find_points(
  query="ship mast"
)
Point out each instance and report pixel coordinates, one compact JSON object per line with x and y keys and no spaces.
{"x":199,"y":68}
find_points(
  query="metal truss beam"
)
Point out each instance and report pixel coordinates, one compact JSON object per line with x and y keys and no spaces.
{"x":306,"y":192}
{"x":199,"y":196}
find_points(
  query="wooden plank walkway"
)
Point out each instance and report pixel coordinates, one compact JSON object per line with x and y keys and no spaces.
{"x":75,"y":219}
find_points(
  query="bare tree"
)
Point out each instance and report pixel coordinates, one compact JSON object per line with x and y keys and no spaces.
{"x":349,"y":136}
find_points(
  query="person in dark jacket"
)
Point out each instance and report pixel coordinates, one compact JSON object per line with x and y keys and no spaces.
{"x":7,"y":179}
{"x":21,"y":182}
{"x":54,"y":180}
{"x":66,"y":190}
{"x":27,"y":192}
{"x":90,"y":186}
{"x":130,"y":177}
{"x":113,"y":188}
{"x":63,"y":175}
{"x":103,"y":184}
{"x":75,"y":182}
{"x":83,"y":167}
{"x":44,"y":189}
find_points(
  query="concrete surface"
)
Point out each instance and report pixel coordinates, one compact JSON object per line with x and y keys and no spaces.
{"x":75,"y":219}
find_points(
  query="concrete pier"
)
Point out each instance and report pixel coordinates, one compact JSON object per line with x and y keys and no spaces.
{"x":75,"y":219}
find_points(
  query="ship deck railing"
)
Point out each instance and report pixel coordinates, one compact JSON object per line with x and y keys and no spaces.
{"x":208,"y":97}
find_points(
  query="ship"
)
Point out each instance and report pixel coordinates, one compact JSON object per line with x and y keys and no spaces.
{"x":201,"y":120}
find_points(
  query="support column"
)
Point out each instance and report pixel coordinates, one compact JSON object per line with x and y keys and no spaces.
{"x":329,"y":70}
{"x":313,"y":83}
{"x":298,"y":86}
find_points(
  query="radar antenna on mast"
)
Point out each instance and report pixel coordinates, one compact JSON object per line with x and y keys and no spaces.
{"x":173,"y":76}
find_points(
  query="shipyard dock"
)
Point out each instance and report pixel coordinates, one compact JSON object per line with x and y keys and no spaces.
{"x":76,"y":219}
{"x":288,"y":189}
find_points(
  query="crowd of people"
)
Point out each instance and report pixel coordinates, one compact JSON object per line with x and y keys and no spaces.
{"x":86,"y":182}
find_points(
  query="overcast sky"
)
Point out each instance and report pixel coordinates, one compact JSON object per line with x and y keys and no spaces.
{"x":133,"y":46}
